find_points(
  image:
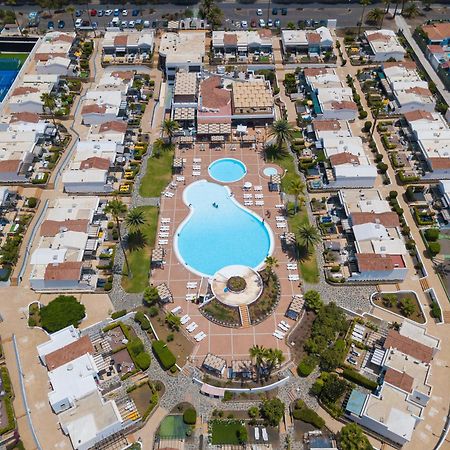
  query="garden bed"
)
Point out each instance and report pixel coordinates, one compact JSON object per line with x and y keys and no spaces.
{"x":267,"y":302}
{"x":404,"y":303}
{"x":219,"y":313}
{"x":146,"y":397}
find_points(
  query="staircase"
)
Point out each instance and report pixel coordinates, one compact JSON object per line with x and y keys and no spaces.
{"x":424,"y":284}
{"x":245,"y":316}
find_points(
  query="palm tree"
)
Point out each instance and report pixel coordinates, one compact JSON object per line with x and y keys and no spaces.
{"x":308,"y":236}
{"x":364,"y":4}
{"x":376,"y":114}
{"x":170,"y":127}
{"x":271,"y":262}
{"x":118,"y":209}
{"x":297,"y":188}
{"x":274,"y":357}
{"x":283,"y":133}
{"x":375,"y":16}
{"x":388,"y":5}
{"x":411,"y":11}
{"x":135,"y":218}
{"x":49,"y":104}
{"x":258,"y":354}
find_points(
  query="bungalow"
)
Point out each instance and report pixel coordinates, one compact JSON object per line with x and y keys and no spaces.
{"x":385,"y":45}
{"x":313,"y":42}
{"x":128,"y":42}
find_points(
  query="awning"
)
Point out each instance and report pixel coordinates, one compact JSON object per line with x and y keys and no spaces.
{"x":212,"y":391}
{"x":164,"y":293}
{"x":217,"y":138}
{"x":247,"y":185}
{"x":290,"y":238}
{"x":178,"y":163}
{"x":275,"y":179}
{"x":157,"y":254}
{"x":241,"y":129}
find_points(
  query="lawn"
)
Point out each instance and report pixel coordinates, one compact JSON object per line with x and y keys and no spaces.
{"x":173,"y":427}
{"x":157,"y":176}
{"x":286,"y":161}
{"x":139,"y":259}
{"x":224,"y":432}
{"x":308,"y":263}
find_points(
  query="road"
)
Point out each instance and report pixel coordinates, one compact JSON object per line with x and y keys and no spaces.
{"x":347,"y":15}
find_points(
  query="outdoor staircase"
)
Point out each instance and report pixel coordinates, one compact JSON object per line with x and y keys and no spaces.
{"x":245,"y":316}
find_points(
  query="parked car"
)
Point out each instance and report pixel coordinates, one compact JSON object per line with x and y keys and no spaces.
{"x":61,"y":24}
{"x":277,"y":23}
{"x":253,"y":23}
{"x":270,"y":23}
{"x":50,"y":25}
{"x":100,"y":13}
{"x":139,"y":22}
{"x":135,"y":12}
{"x":93,"y":12}
{"x":125,"y":12}
{"x":108,"y":12}
{"x":94,"y":25}
{"x":274,"y":11}
{"x":131,"y":24}
{"x":244,"y":24}
{"x":124,"y":24}
{"x":352,"y":361}
{"x":259,"y":12}
{"x":284,"y":11}
{"x":78,"y":23}
{"x":355,"y":353}
{"x":78,"y":13}
{"x":262,"y":24}
{"x":116,"y":12}
{"x":146,"y":24}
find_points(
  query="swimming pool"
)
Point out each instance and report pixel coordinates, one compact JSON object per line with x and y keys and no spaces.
{"x":220,"y":232}
{"x":227,"y":170}
{"x":269,"y":171}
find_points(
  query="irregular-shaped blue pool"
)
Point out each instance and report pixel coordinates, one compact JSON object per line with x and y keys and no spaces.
{"x":220,"y":232}
{"x":227,"y":170}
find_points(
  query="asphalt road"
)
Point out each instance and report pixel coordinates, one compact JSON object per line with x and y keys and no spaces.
{"x":347,"y":15}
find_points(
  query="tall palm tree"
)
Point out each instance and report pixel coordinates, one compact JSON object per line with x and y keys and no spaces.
{"x":271,"y":262}
{"x":308,"y":236}
{"x":283,"y":133}
{"x":274,"y":357}
{"x":170,"y":127}
{"x":411,"y":11}
{"x":49,"y":104}
{"x":258,"y":354}
{"x":365,"y":4}
{"x":297,"y":188}
{"x":135,"y":218}
{"x":375,"y":16}
{"x":118,"y":209}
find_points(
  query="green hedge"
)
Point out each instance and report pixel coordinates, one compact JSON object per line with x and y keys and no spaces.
{"x":143,"y":360}
{"x":7,"y":399}
{"x":190,"y":416}
{"x":356,"y":377}
{"x":140,"y":318}
{"x":307,"y":415}
{"x":306,"y":366}
{"x":165,"y":357}
{"x":117,"y":314}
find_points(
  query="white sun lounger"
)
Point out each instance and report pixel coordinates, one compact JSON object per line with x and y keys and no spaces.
{"x":201,"y":337}
{"x":259,"y":203}
{"x":193,"y":326}
{"x":196,"y":167}
{"x":281,"y":225}
{"x":285,"y":324}
{"x":265,"y":436}
{"x":278,"y":334}
{"x":259,"y":196}
{"x":190,"y":297}
{"x":197,"y":160}
{"x":165,"y":220}
{"x":248,"y":195}
{"x":256,"y":433}
{"x":191,"y":284}
{"x":173,"y":185}
{"x":180,"y":179}
{"x":164,"y":228}
{"x":280,"y":325}
{"x":198,"y":336}
{"x":280,"y":219}
{"x":185,"y":319}
{"x":291,"y":266}
{"x":163,"y":241}
{"x":279,"y":206}
{"x":293,"y":277}
{"x":163,"y":235}
{"x":248,"y":203}
{"x":257,"y":188}
{"x":196,"y":173}
{"x":176,"y":310}
{"x":168,"y":194}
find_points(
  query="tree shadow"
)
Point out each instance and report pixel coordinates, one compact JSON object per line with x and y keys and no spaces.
{"x":136,"y":240}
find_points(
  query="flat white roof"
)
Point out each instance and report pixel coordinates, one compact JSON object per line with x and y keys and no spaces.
{"x":48,"y":256}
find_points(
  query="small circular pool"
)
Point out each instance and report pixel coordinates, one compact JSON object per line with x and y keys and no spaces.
{"x":227,"y":170}
{"x":269,"y":171}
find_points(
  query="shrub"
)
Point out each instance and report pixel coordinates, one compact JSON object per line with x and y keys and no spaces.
{"x":143,"y":360}
{"x":306,"y":366}
{"x":117,"y":314}
{"x":367,"y":126}
{"x":61,"y":312}
{"x":163,"y":354}
{"x":393,"y":194}
{"x":32,"y":202}
{"x":190,"y":416}
{"x":227,"y":396}
{"x":378,"y":157}
{"x":140,"y":318}
{"x":432,"y":234}
{"x":362,"y":115}
{"x":253,"y":412}
{"x":434,"y":248}
{"x":382,"y":167}
{"x":153,"y":311}
{"x":151,"y":296}
{"x":307,"y":415}
{"x":356,"y":377}
{"x":435,"y":311}
{"x":313,"y":300}
{"x":135,"y":347}
{"x":242,"y":435}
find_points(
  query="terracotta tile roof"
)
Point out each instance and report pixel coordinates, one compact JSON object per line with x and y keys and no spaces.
{"x":89,"y":109}
{"x":22,"y":90}
{"x":423,"y":92}
{"x":115,"y":125}
{"x":124,"y":74}
{"x":121,"y":40}
{"x":436,"y":49}
{"x":343,"y":158}
{"x":213,"y":96}
{"x":95,"y":162}
{"x":68,"y":353}
{"x":314,"y":71}
{"x":439,"y":163}
{"x":43,"y":57}
{"x":230,"y":39}
{"x":25,"y":117}
{"x":66,"y":271}
{"x":418,"y":114}
{"x":313,"y":37}
{"x":53,"y":227}
{"x":10,"y":165}
{"x":408,"y":346}
{"x":405,"y":64}
{"x":437,"y":31}
{"x":265,"y":33}
{"x":400,"y":379}
{"x":326,"y":125}
{"x":345,"y":104}
{"x":389,"y":218}
{"x":368,"y":262}
{"x":378,"y":37}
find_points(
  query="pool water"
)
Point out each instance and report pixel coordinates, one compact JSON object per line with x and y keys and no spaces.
{"x":269,"y":171}
{"x":219,"y":232}
{"x":9,"y":68}
{"x":227,"y":170}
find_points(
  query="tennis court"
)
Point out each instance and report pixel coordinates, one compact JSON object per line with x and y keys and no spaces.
{"x":9,"y":68}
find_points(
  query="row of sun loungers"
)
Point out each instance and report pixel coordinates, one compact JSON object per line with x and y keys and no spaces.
{"x":281,"y":224}
{"x":168,"y":194}
{"x":293,"y":277}
{"x":180,"y":179}
{"x":278,"y":334}
{"x":190,"y":297}
{"x":191,"y":285}
{"x":164,"y":230}
{"x":163,"y":241}
{"x":191,"y":327}
{"x":291,"y":266}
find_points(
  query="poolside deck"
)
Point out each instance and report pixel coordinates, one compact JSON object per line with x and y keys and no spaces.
{"x":226,"y":342}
